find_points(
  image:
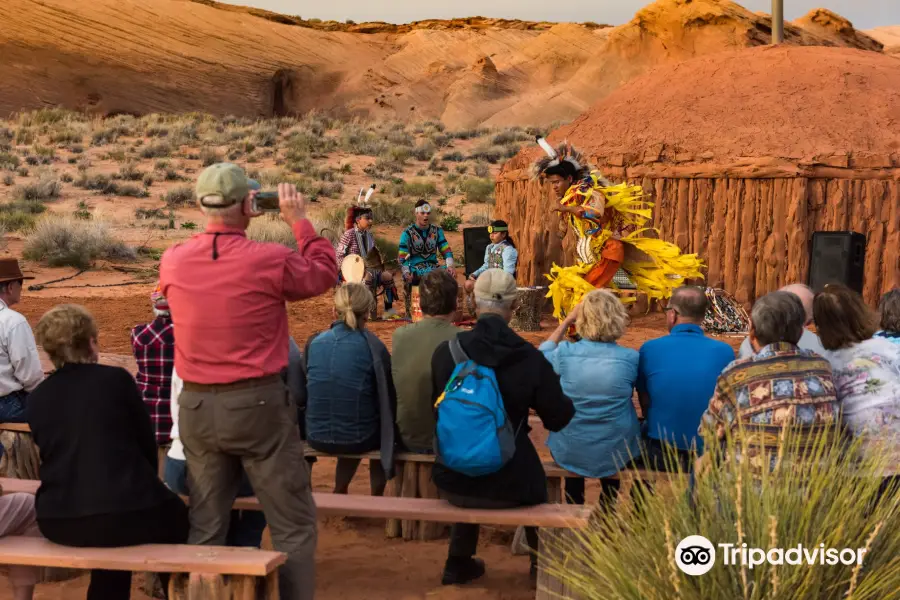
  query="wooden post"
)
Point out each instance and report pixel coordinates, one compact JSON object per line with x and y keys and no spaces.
{"x":272,"y":586}
{"x":392,"y":527}
{"x":555,"y":546}
{"x":428,"y":530}
{"x":409,"y":490}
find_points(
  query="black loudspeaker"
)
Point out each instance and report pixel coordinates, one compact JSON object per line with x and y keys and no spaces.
{"x":475,"y":242}
{"x":837,"y":257}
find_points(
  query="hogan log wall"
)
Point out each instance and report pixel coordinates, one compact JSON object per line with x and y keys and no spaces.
{"x":751,"y":223}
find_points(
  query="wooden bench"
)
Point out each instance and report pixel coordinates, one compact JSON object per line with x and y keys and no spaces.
{"x":556,"y":522}
{"x":198,"y":572}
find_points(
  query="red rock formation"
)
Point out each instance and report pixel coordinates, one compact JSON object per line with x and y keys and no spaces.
{"x":745,"y":155}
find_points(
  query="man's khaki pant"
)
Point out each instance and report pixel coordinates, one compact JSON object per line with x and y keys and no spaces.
{"x":253,"y":423}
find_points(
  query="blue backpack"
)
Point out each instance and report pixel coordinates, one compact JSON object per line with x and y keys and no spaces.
{"x":473,"y":435}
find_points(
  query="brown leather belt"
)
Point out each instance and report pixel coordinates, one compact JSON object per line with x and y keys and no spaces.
{"x":243,"y":384}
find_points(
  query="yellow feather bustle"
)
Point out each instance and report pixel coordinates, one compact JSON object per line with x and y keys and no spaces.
{"x":658,"y":278}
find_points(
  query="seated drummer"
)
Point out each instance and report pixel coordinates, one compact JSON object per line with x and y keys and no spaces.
{"x":358,"y":239}
{"x":420,"y":244}
{"x":501,"y":253}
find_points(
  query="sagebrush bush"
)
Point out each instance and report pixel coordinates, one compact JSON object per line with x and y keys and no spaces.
{"x":47,"y":187}
{"x":16,"y":220}
{"x":272,"y":228}
{"x":417,"y":189}
{"x":209,"y":156}
{"x":822,"y":494}
{"x":480,"y":218}
{"x":8,"y":160}
{"x":99,"y":183}
{"x":424,"y":151}
{"x":482,"y":169}
{"x":130,"y":172}
{"x":453,"y":157}
{"x":61,"y":241}
{"x":179,"y":196}
{"x":479,"y":191}
{"x":157,"y":150}
{"x":9,"y":179}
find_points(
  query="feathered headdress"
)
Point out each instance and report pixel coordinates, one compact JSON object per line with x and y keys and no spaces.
{"x":565,"y":152}
{"x":361,"y":206}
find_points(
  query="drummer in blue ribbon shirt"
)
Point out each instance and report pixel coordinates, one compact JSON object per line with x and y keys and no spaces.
{"x":501,"y":253}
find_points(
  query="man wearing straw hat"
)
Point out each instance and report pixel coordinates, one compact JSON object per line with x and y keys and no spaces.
{"x":20,"y":364}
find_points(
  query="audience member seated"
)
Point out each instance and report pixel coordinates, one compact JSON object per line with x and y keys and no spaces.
{"x":247,"y":526}
{"x":599,"y":376}
{"x":412,"y":348}
{"x":18,"y":517}
{"x":20,"y":364}
{"x":153,"y":346}
{"x":99,"y":482}
{"x":676,"y":378}
{"x":527,"y":381}
{"x":809,"y":340}
{"x":350,"y":393}
{"x":779,"y":386}
{"x":866,"y":373}
{"x":889,"y":310}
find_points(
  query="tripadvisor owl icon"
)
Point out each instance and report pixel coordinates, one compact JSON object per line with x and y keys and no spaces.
{"x":695,"y":555}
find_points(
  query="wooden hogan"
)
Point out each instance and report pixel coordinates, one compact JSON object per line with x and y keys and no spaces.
{"x":744,"y":159}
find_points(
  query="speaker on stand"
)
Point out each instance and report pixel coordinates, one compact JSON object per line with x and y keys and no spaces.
{"x":475,"y":242}
{"x":837,"y":257}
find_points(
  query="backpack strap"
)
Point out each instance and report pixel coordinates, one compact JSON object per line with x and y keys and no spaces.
{"x":456,"y":351}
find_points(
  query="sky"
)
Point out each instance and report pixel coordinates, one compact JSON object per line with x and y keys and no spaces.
{"x":864,"y":14}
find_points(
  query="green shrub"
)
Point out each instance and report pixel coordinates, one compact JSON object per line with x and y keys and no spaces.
{"x":508,"y":136}
{"x":451,"y":222}
{"x":132,"y":191}
{"x":417,"y":189}
{"x":272,"y":228}
{"x":22,"y":171}
{"x":60,"y":241}
{"x":479,"y":190}
{"x":389,"y":247}
{"x":9,"y":179}
{"x":16,"y":220}
{"x":453,"y":157}
{"x":393,"y":213}
{"x":824,"y":497}
{"x":66,"y":136}
{"x":462,"y":169}
{"x":491,"y":154}
{"x":8,"y":161}
{"x":482,"y":169}
{"x":180,"y":196}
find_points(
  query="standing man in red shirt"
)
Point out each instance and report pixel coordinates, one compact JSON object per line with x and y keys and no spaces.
{"x":229,"y":294}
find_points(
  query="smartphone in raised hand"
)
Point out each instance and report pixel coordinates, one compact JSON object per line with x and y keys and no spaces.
{"x":266,"y":202}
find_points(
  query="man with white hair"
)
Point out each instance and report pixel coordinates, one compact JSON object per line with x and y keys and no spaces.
{"x":809,"y":340}
{"x":228,"y":296}
{"x":526,"y":381}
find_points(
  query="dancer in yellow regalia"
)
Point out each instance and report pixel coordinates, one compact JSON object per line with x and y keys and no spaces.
{"x":609,"y":221}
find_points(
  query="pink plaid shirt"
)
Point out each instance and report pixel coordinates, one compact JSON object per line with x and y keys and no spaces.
{"x":153,"y":345}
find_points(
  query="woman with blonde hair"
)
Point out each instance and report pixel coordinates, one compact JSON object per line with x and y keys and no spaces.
{"x":99,"y":482}
{"x":351,"y":401}
{"x":599,"y":376}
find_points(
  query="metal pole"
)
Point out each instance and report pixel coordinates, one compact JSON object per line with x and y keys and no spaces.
{"x":777,"y":21}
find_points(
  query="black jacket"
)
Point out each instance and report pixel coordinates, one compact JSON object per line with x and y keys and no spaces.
{"x":98,"y":453}
{"x":527,"y":381}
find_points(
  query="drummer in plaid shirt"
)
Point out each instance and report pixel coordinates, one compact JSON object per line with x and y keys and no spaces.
{"x":358,"y":239}
{"x":153,"y":345}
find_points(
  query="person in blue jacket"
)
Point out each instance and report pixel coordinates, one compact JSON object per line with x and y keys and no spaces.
{"x":501,"y":253}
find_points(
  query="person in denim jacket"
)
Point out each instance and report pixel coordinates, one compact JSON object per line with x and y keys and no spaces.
{"x":599,"y":376}
{"x":351,"y":400}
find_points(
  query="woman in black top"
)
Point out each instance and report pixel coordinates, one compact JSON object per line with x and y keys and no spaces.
{"x":99,"y":483}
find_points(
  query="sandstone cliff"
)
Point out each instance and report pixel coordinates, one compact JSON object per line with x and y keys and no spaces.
{"x":139,"y":56}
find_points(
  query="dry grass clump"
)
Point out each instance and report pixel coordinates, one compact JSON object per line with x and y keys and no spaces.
{"x":415,"y":189}
{"x":179,"y":196}
{"x":64,"y":241}
{"x":47,"y":187}
{"x":156,"y":150}
{"x":481,"y":218}
{"x":824,"y":494}
{"x":8,"y":161}
{"x":479,"y":191}
{"x":272,"y":228}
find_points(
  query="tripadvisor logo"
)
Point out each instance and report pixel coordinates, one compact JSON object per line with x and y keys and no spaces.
{"x":696,"y":555}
